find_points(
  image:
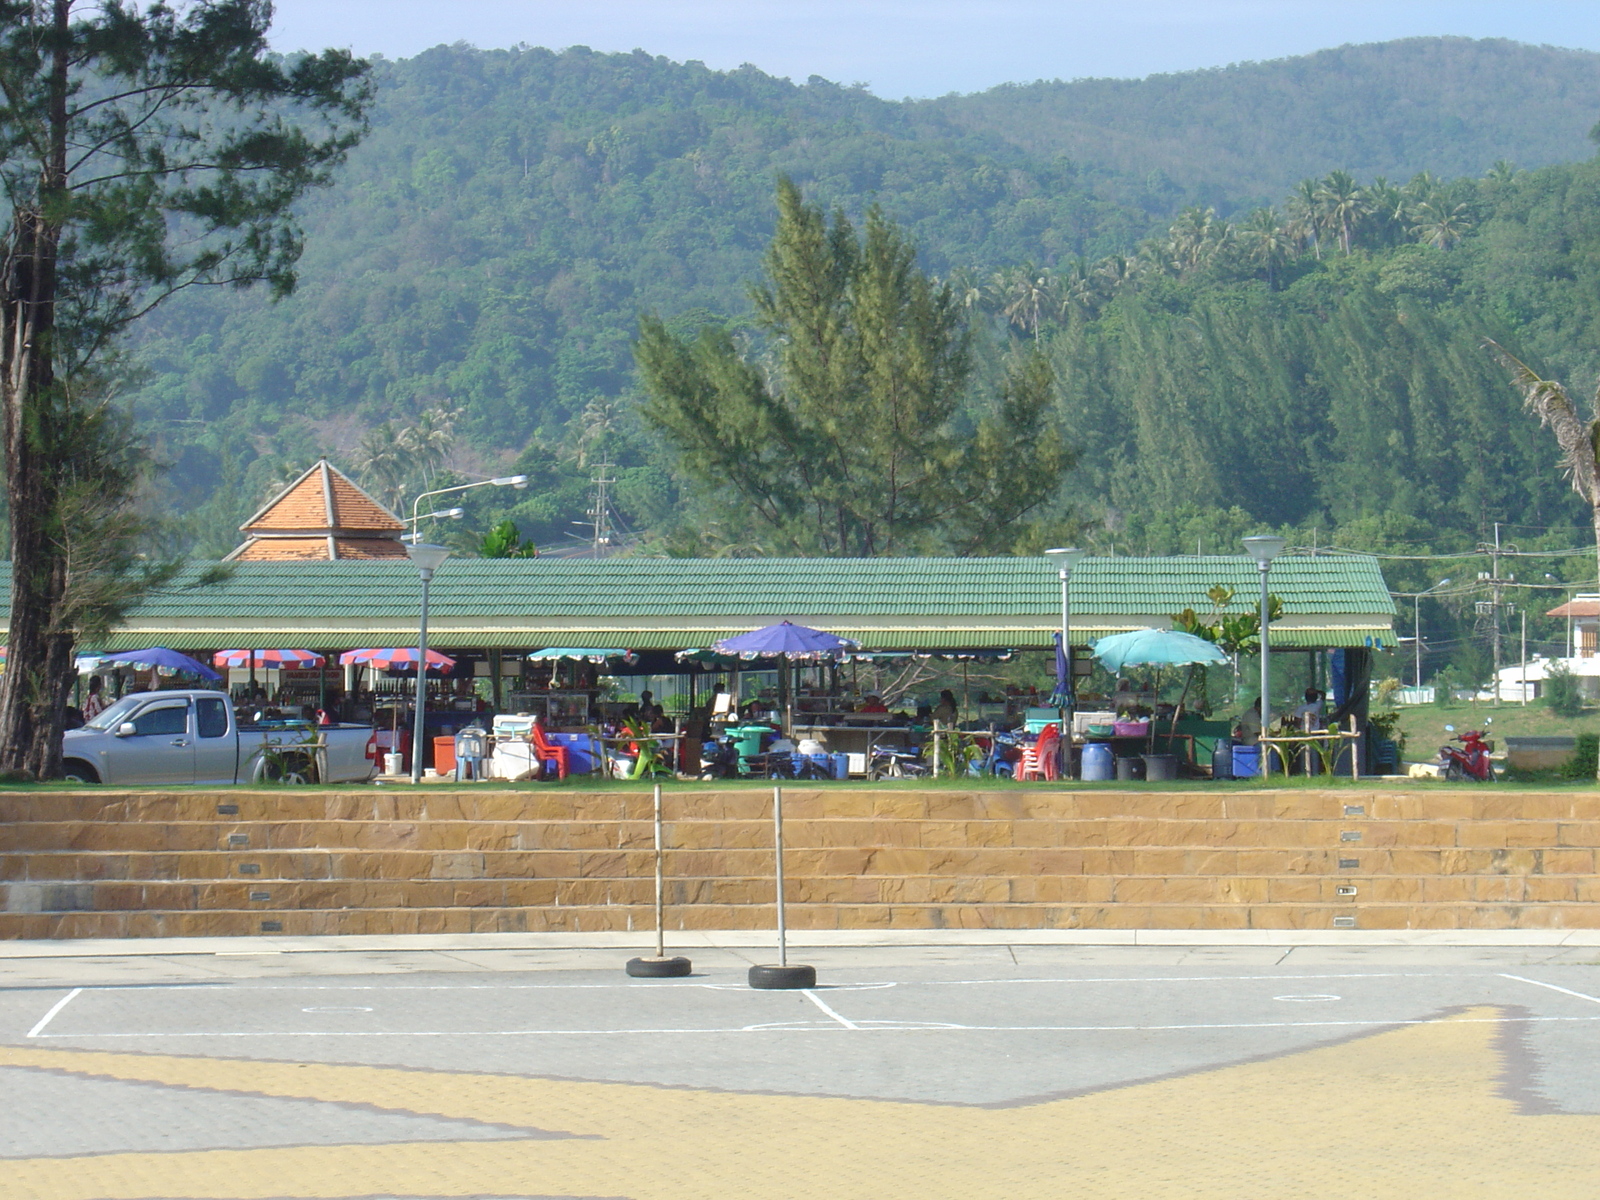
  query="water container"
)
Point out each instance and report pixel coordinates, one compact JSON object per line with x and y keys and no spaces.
{"x":1246,"y":762}
{"x":1160,"y":766}
{"x":841,"y":766}
{"x":1130,"y":768}
{"x":1222,"y":759}
{"x":1099,"y":763}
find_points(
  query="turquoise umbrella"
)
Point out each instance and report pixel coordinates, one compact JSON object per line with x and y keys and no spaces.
{"x":1154,"y":647}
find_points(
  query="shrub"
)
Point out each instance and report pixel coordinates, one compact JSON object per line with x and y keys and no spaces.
{"x":1561,"y":694}
{"x":1585,"y":758}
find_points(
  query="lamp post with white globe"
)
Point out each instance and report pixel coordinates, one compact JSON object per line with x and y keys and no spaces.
{"x":429,"y":558}
{"x":1264,"y":548}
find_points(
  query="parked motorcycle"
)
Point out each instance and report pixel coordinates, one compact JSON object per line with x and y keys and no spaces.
{"x":1471,"y":759}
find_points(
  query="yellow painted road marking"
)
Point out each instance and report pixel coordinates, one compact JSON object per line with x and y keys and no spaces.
{"x":1406,"y":1113}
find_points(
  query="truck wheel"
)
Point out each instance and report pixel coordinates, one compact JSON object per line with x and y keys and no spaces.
{"x":75,"y":770}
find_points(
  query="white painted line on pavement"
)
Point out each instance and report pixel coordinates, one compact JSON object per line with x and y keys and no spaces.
{"x":794,"y":1027}
{"x":817,"y":1000}
{"x":38,"y":1030}
{"x":1552,"y":987}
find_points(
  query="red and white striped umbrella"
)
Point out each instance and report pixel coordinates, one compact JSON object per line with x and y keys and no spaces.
{"x":271,"y":659}
{"x":405,"y":656}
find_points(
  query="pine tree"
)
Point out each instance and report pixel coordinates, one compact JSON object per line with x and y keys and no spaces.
{"x":846,"y":434}
{"x":141,"y":153}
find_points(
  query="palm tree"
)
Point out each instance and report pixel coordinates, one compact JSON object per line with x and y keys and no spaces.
{"x":1079,"y":290}
{"x":1502,"y":172}
{"x":1024,"y":294}
{"x":1577,"y":435}
{"x":1387,"y":209}
{"x":381,"y":464}
{"x":1119,"y":273}
{"x":1305,"y":216}
{"x":1439,"y":223}
{"x":1343,"y":205}
{"x":1267,"y":243}
{"x":1195,"y":238}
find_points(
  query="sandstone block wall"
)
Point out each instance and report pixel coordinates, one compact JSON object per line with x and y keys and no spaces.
{"x":107,"y":864}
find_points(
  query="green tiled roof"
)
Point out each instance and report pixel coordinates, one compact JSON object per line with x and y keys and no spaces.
{"x":647,"y":603}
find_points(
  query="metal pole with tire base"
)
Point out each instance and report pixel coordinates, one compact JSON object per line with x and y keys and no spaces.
{"x":783,"y":975}
{"x":659,"y":967}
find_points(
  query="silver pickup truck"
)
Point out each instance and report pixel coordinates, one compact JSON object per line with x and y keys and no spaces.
{"x":158,"y":738}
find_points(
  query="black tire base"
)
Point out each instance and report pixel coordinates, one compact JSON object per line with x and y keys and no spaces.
{"x":774,"y":978}
{"x":658,"y":968}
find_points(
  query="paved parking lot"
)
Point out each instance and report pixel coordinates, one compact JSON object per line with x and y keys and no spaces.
{"x":961,"y":1071}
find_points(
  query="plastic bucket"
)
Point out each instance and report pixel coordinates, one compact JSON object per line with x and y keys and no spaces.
{"x":1160,"y":766}
{"x":1099,"y":763}
{"x":394,"y":763}
{"x":1130,"y":768}
{"x":841,"y":765}
{"x":1246,"y":762}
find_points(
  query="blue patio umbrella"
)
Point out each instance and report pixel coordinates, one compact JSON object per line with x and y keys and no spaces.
{"x":1155,"y":647}
{"x":163,"y":662}
{"x":787,"y":639}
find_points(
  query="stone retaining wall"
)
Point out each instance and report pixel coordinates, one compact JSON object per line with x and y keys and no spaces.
{"x":108,"y":864}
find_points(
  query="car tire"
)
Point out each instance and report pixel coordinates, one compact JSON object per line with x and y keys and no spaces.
{"x":778,"y":978}
{"x":77,"y":771}
{"x":659,"y":968}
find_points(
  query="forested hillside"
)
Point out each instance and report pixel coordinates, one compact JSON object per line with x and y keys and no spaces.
{"x":472,"y":286}
{"x":1248,"y":132}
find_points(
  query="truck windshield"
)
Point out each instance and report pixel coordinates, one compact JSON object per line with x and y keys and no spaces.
{"x":115,"y":715}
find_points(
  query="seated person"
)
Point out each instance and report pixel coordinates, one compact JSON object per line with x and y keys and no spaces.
{"x":946,"y":712}
{"x":873,"y":704}
{"x":1248,"y":729}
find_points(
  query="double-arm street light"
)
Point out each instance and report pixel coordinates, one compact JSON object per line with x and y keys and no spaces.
{"x":1264,"y":547}
{"x":1416,"y":627}
{"x":1065,"y":558}
{"x":428,"y":559}
{"x":512,"y":481}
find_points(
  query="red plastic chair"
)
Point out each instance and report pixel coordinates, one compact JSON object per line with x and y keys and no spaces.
{"x":1039,"y":759}
{"x":547,"y":752}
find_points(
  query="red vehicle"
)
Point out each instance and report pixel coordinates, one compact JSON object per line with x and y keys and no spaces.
{"x":1468,"y":761}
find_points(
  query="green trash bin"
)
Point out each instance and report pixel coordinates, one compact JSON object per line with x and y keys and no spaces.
{"x":747,"y":742}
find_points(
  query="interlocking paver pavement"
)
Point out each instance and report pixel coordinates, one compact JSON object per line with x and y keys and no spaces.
{"x":984,"y":1074}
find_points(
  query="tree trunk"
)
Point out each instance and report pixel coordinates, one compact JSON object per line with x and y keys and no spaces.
{"x":33,"y":687}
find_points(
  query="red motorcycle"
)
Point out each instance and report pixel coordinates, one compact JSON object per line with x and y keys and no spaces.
{"x":1468,"y":761}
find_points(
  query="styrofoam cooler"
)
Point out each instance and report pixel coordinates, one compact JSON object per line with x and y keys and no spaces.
{"x":511,"y":759}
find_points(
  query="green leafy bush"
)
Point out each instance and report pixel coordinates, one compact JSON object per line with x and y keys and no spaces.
{"x":1585,"y":758}
{"x":1561,"y":694}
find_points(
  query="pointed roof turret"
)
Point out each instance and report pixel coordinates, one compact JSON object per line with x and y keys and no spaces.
{"x":321,"y":515}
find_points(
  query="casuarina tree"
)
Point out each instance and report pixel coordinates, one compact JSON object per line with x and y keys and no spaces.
{"x":143,"y":150}
{"x":848,"y":430}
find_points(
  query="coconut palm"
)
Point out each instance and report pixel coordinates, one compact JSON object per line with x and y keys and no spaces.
{"x":1024,"y":294}
{"x":1305,"y":216}
{"x":1118,"y":273}
{"x":1578,"y":435}
{"x":1439,"y":223}
{"x":1195,"y":238}
{"x":1344,"y":203}
{"x":1266,"y":242}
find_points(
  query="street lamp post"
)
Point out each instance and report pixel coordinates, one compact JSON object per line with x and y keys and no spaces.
{"x":1265,"y":547}
{"x":1066,"y":557}
{"x":428,"y":559}
{"x":1416,"y":625}
{"x":512,"y":481}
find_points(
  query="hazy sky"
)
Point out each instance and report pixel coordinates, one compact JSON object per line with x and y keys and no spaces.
{"x":930,"y":47}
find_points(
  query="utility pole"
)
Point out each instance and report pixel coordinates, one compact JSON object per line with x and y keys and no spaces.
{"x":1494,"y":567}
{"x":600,"y":514}
{"x":1492,"y":607}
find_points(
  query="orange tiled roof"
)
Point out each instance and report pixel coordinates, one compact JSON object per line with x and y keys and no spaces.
{"x":283,"y":548}
{"x":323,"y":500}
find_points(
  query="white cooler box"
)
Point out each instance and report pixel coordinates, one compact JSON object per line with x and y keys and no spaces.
{"x":511,"y":759}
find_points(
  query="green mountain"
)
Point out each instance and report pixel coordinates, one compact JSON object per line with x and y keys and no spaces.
{"x":489,"y":247}
{"x":1451,"y":106}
